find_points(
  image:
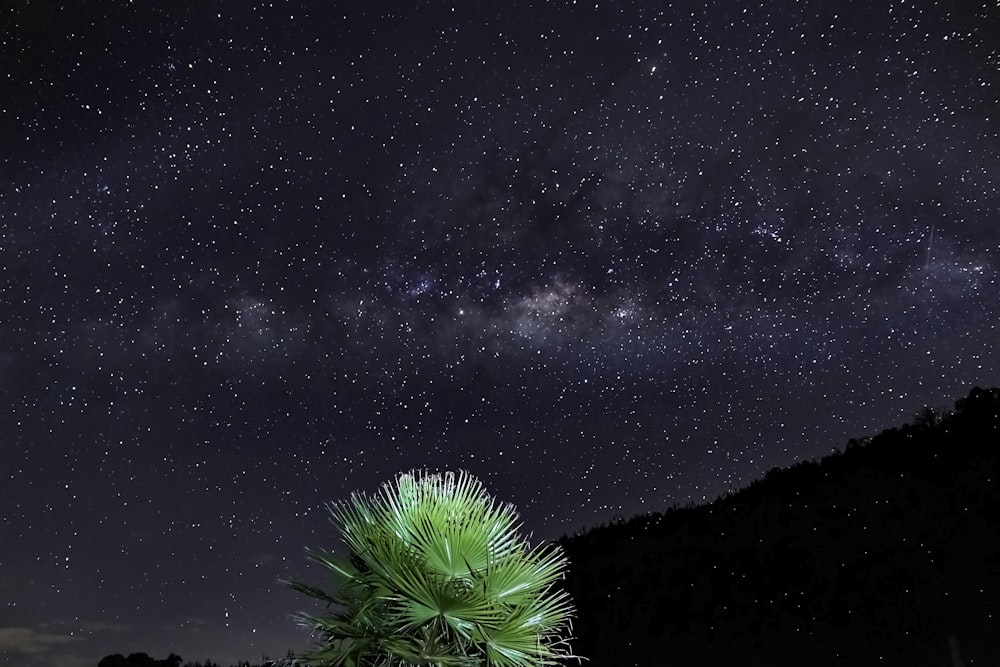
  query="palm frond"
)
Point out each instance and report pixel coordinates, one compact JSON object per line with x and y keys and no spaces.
{"x":524,"y":575}
{"x":312,"y":591}
{"x":438,"y":575}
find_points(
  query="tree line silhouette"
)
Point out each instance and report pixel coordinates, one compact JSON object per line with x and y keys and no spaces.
{"x":885,"y":553}
{"x":172,"y":660}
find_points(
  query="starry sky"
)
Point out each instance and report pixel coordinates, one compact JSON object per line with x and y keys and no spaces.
{"x":607,"y":256}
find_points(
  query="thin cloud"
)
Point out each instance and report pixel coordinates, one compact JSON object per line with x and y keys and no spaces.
{"x":30,"y":641}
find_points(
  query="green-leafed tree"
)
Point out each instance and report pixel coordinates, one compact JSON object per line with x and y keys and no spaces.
{"x":437,"y":575}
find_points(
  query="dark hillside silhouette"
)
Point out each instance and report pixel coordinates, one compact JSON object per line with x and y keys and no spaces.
{"x":887,"y":553}
{"x":139,"y":660}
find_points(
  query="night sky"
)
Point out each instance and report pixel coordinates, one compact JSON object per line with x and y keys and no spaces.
{"x":607,"y":257}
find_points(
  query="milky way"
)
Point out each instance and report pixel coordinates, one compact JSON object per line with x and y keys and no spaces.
{"x":607,"y":257}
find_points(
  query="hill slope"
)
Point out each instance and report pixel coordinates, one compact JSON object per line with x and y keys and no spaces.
{"x":887,"y":553}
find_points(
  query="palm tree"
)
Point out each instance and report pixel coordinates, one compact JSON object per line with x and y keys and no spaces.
{"x":438,"y":576}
